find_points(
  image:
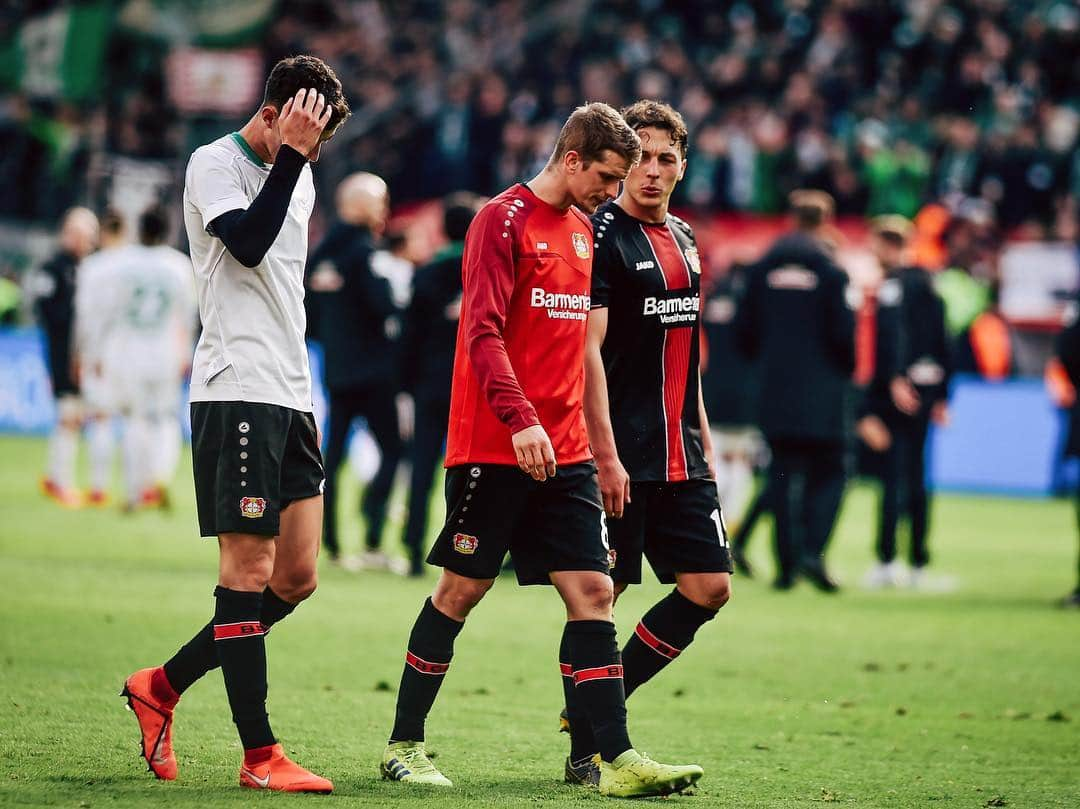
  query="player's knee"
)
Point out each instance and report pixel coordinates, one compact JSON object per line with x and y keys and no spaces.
{"x":597,"y":594}
{"x":709,"y":591}
{"x":716,"y":593}
{"x":457,"y":597}
{"x":719,"y":594}
{"x":296,"y":586}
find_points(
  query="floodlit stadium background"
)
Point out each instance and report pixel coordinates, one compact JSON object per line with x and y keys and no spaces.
{"x":962,"y":115}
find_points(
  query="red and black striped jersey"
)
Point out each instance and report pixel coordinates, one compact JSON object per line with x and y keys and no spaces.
{"x":649,"y":278}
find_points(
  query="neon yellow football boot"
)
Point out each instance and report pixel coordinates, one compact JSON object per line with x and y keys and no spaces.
{"x":409,"y":762}
{"x":633,"y":775}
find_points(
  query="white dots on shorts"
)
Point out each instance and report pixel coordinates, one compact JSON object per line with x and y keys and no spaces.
{"x":243,"y":442}
{"x":243,"y":427}
{"x":472,"y":484}
{"x":506,"y":235}
{"x":243,"y":469}
{"x":475,"y":471}
{"x":519,"y":203}
{"x":243,"y":456}
{"x":464,"y":509}
{"x":243,"y":483}
{"x":506,"y":222}
{"x":468,"y":497}
{"x":460,"y":522}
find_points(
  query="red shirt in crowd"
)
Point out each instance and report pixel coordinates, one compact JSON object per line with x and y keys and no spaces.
{"x":520,"y":356}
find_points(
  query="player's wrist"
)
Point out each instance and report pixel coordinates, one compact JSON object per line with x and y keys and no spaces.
{"x":289,"y":156}
{"x":606,"y":457}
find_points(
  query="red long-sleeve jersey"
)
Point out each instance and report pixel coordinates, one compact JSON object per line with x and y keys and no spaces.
{"x":520,"y":356}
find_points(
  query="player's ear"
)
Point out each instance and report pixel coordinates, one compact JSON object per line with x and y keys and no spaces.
{"x":572,"y":162}
{"x":682,"y":169}
{"x":269,"y":115}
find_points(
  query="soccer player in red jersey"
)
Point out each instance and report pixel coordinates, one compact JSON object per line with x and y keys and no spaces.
{"x":645,"y":412}
{"x":520,"y":476}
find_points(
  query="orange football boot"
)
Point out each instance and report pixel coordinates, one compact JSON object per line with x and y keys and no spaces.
{"x":97,"y":498}
{"x":68,"y":498}
{"x":280,"y":773}
{"x":155,"y":721}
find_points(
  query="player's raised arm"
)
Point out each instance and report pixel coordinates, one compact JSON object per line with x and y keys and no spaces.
{"x":488,"y":283}
{"x":249,"y":231}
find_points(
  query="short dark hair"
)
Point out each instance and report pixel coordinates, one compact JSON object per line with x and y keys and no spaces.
{"x":661,"y":116}
{"x":153,"y":226}
{"x":459,"y":209}
{"x":111,"y":221}
{"x":812,"y":208}
{"x":593,"y":129}
{"x":295,"y":73}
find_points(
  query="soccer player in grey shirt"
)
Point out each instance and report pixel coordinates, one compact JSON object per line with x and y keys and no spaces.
{"x":258,"y":470}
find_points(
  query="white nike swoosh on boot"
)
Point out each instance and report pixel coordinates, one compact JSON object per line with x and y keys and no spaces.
{"x":262,"y":782}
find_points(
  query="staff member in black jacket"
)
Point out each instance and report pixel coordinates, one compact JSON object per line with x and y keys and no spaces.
{"x":54,"y":291}
{"x":351,"y":311}
{"x":795,"y":318}
{"x":729,"y":386}
{"x":909,"y":389}
{"x":427,"y":363}
{"x":1068,"y":351}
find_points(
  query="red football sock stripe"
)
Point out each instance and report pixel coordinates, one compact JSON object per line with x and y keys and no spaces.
{"x":241,"y":629}
{"x":426,"y":666}
{"x":654,"y":643}
{"x":599,"y":673}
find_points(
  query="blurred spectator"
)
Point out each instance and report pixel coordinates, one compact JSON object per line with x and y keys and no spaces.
{"x":884,"y":104}
{"x":427,"y":362}
{"x":908,"y":389}
{"x":794,"y":319}
{"x":352,"y":313}
{"x":53,"y":289}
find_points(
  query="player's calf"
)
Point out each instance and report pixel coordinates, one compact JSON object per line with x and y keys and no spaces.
{"x":665,"y":631}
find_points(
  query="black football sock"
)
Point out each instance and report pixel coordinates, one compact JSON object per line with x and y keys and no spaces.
{"x":199,"y":655}
{"x":598,"y":683}
{"x":238,"y":635}
{"x":582,"y":742}
{"x":661,"y":636}
{"x":431,"y":646}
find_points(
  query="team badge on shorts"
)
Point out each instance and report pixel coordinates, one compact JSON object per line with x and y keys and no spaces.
{"x":581,"y":245}
{"x":465,"y":543}
{"x":693,"y":259}
{"x":611,"y":556}
{"x":252,"y":507}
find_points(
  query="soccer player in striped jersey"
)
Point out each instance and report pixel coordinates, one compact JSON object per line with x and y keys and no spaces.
{"x":645,"y":412}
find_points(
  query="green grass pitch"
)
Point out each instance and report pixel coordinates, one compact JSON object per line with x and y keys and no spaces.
{"x":891,"y":699}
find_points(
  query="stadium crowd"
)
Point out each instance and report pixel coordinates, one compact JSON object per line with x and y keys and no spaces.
{"x":884,"y":104}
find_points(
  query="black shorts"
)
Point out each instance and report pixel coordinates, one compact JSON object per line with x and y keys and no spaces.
{"x":677,"y":526}
{"x":546,"y":527}
{"x":251,"y":461}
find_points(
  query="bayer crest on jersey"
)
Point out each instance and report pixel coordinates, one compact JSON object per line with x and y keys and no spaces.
{"x":465,"y":543}
{"x":252,"y":507}
{"x":693,"y":259}
{"x":581,"y":244}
